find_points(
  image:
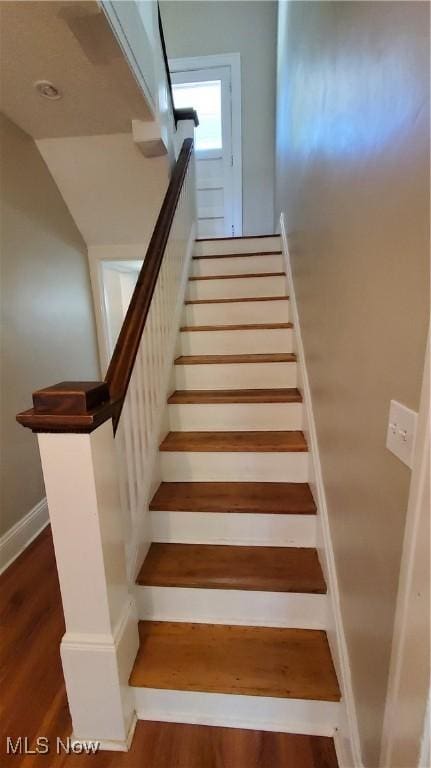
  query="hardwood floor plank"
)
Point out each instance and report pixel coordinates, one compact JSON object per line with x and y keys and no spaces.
{"x":205,"y":396}
{"x":252,"y":498}
{"x":253,"y":661}
{"x":259,"y":442}
{"x":268,"y":569}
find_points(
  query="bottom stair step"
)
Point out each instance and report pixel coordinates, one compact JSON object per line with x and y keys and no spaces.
{"x":250,"y":661}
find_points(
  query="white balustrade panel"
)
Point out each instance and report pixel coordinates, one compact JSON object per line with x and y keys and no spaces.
{"x":141,"y":423}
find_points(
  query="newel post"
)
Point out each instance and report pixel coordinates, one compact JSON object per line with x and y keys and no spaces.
{"x":76,"y":441}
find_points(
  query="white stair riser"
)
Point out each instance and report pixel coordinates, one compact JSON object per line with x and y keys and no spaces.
{"x":232,"y":606}
{"x":256,"y":342}
{"x":234,"y":528}
{"x":271,"y":467}
{"x":236,"y":376}
{"x":243,"y":245}
{"x":235,"y":416}
{"x":318,"y":718}
{"x":238,"y":265}
{"x":236,"y":288}
{"x":241,"y":312}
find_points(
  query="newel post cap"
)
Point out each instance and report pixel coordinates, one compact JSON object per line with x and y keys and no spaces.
{"x":69,"y":406}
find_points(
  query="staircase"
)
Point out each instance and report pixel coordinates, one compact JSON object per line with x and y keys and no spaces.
{"x":194,"y":442}
{"x":231,"y":597}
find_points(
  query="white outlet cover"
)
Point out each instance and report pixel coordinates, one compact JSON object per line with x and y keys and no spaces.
{"x":401,"y":434}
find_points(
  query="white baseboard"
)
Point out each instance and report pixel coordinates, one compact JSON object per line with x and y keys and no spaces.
{"x":17,"y":538}
{"x":347,"y":740}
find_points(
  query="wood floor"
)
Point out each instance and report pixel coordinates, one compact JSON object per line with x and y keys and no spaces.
{"x":33,"y":699}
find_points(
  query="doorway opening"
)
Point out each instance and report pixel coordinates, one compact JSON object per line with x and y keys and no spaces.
{"x":212,"y":86}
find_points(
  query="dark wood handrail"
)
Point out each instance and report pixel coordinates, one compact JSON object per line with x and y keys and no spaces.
{"x":82,"y":406}
{"x":126,"y":348}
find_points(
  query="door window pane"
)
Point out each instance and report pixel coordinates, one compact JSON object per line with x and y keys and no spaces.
{"x":205,"y":98}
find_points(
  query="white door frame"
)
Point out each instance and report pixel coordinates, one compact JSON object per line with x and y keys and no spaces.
{"x":232,"y":60}
{"x":408,"y":692}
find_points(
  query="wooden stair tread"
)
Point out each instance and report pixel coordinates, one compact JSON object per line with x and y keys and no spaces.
{"x":251,"y":498}
{"x":216,"y":442}
{"x":233,"y":237}
{"x":205,"y":396}
{"x":243,"y":327}
{"x":276,"y":357}
{"x":214,"y":566}
{"x":234,"y":277}
{"x":253,"y":661}
{"x":236,"y":301}
{"x":237,"y":255}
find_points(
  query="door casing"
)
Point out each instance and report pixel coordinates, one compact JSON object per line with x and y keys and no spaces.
{"x":217,"y":62}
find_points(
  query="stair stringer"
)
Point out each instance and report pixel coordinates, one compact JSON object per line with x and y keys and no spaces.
{"x":346,"y":738}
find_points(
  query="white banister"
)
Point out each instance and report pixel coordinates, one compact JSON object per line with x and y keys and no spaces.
{"x":140,"y":428}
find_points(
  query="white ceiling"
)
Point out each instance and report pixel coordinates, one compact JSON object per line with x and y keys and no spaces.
{"x":72,"y":45}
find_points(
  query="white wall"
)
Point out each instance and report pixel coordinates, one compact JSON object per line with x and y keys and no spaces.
{"x":113,"y":192}
{"x":248,"y":28}
{"x":353,"y":180}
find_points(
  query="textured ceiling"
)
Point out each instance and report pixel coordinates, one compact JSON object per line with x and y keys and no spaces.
{"x":72,"y":45}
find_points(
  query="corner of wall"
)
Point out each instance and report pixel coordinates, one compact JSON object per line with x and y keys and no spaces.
{"x":346,"y":738}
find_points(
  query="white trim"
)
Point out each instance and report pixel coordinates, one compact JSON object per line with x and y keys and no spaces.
{"x":347,"y":739}
{"x":17,"y":538}
{"x":107,"y":745}
{"x":110,"y":10}
{"x":263,"y":713}
{"x":425,"y":757}
{"x":232,"y":60}
{"x":412,"y":605}
{"x":97,"y":255}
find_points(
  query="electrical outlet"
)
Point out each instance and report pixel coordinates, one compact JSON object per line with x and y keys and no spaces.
{"x":400,"y":438}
